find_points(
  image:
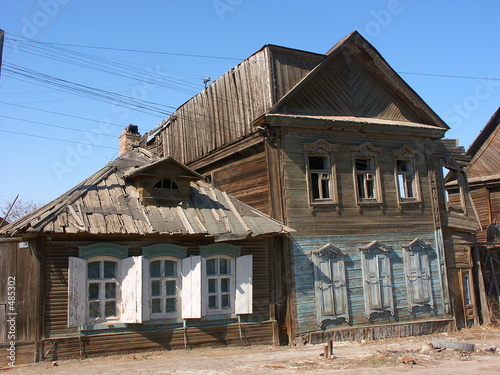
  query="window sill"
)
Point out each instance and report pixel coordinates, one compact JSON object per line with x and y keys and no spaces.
{"x":410,"y":204}
{"x":370,"y":203}
{"x":324,"y":205}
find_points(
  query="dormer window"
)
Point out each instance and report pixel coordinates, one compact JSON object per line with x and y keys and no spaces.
{"x":166,"y":189}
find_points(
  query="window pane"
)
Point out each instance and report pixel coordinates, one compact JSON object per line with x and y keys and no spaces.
{"x":363,"y":164}
{"x":110,"y":270}
{"x":156,"y":305}
{"x":171,"y":305}
{"x":315,"y":185}
{"x":94,"y":309}
{"x":224,"y":285}
{"x":155,"y":288}
{"x":225,"y":266}
{"x":155,"y":268}
{"x":369,"y":189}
{"x":226,"y":304}
{"x":170,"y":287}
{"x":212,"y":285}
{"x":93,"y":292}
{"x":110,"y":290}
{"x":170,"y":268}
{"x":403,"y":165}
{"x":361,"y":186}
{"x":94,"y":270}
{"x":317,"y":162}
{"x":110,"y":309}
{"x":212,"y":303}
{"x":212,"y":267}
{"x":325,"y":188}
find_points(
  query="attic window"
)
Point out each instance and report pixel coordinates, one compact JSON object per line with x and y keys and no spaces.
{"x":166,"y":189}
{"x":166,"y":185}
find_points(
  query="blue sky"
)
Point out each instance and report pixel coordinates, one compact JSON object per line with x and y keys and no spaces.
{"x":52,"y":139}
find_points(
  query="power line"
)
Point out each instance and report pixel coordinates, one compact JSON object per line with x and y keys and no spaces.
{"x":55,"y":126}
{"x":448,"y":76}
{"x":53,"y":139}
{"x":143,"y":51}
{"x":41,"y":35}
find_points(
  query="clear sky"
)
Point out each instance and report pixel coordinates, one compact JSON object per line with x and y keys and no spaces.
{"x":53,"y":137}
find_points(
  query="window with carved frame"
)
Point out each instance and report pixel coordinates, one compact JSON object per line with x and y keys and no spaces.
{"x":406,"y":175}
{"x":366,"y":175}
{"x":321,"y":173}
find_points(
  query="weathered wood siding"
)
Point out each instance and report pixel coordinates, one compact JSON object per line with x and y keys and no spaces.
{"x":289,"y":67}
{"x":349,"y":220}
{"x":161,"y":339}
{"x":304,"y":281}
{"x":221,"y":113}
{"x":353,"y":227}
{"x":21,"y":265}
{"x":346,"y":87}
{"x":58,"y":251}
{"x":246,"y":180}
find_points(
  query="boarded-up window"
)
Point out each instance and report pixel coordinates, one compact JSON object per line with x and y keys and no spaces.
{"x":418,"y":274}
{"x":377,"y":279}
{"x":330,"y":284}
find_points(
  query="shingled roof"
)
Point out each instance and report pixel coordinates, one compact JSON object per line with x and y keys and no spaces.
{"x":108,"y":203}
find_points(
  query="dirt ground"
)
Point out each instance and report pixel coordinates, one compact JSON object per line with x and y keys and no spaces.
{"x":411,"y":355}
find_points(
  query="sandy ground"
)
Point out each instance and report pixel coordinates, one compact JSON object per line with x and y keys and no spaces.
{"x":411,"y":355}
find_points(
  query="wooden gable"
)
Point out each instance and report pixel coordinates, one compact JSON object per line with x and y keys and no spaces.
{"x":354,"y":80}
{"x":485,"y":150}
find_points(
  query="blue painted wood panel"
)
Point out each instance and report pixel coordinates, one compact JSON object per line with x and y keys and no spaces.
{"x":304,"y":281}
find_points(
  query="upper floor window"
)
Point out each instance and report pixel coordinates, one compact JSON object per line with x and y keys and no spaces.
{"x":365,"y":179}
{"x":406,"y":180}
{"x":406,"y":175}
{"x":320,"y":173}
{"x":367,"y":182}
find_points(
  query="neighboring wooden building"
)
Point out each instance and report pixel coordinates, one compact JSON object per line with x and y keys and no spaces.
{"x":484,"y":180}
{"x":341,"y":149}
{"x":143,"y":255}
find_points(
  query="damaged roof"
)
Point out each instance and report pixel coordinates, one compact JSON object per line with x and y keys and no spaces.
{"x":109,"y":203}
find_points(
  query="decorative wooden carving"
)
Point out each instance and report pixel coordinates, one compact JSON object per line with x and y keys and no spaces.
{"x":375,"y":247}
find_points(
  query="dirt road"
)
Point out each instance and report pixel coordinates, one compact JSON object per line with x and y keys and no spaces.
{"x":393,"y":356}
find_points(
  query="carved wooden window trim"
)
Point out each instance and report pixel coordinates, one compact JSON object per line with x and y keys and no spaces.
{"x":361,"y":178}
{"x":327,"y":196}
{"x":407,"y":178}
{"x":418,"y":274}
{"x":377,"y":280}
{"x":330,"y":283}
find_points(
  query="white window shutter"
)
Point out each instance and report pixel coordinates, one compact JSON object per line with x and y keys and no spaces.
{"x":77,"y":291}
{"x":146,"y":283}
{"x":244,"y":285}
{"x":131,"y":290}
{"x":191,"y":287}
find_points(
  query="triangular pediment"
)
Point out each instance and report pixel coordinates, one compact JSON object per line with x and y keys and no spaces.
{"x":354,"y":80}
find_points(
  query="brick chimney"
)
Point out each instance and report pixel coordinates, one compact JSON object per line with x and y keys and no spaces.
{"x":129,"y":138}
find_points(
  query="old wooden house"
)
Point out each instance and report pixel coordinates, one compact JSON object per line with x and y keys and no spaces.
{"x":143,"y":255}
{"x":484,"y":181}
{"x":339,"y":148}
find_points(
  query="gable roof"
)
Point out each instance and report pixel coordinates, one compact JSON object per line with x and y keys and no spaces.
{"x":355,"y":80}
{"x":485,"y":151}
{"x":108,"y":203}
